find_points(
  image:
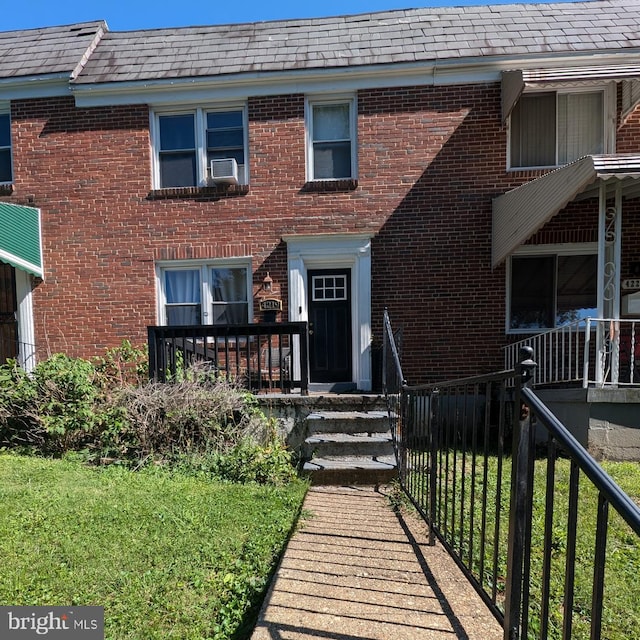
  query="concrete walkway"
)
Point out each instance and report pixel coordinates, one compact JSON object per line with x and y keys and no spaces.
{"x":356,"y":570}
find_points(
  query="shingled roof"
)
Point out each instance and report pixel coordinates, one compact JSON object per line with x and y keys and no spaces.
{"x":51,"y":50}
{"x":404,"y":36}
{"x":88,"y":53}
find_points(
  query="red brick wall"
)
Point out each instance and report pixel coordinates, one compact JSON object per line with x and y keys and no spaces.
{"x":430,"y":161}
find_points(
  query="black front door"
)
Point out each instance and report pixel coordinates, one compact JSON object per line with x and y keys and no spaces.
{"x":329,"y":325}
{"x":8,"y":309}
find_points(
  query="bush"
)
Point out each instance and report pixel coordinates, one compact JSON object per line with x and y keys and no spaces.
{"x":104,"y":410}
{"x":247,"y":461}
{"x":161,"y":420}
{"x":51,"y":409}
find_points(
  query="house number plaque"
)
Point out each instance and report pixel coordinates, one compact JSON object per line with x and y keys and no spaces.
{"x":271,"y":304}
{"x":633,"y":283}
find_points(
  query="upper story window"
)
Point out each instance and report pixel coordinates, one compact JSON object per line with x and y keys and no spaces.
{"x":331,"y":148}
{"x":551,"y":128}
{"x":550,"y":288}
{"x":186,"y":143}
{"x":6,"y":173}
{"x":205,"y":293}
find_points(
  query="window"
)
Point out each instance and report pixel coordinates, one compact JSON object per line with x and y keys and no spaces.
{"x":186,"y":142}
{"x":551,"y":290}
{"x":205,"y":293}
{"x":6,"y":174}
{"x":225,"y":138}
{"x":329,"y":288}
{"x":552,"y":128}
{"x":331,"y":148}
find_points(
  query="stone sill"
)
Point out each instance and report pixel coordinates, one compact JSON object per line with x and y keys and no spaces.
{"x":200,"y":193}
{"x":330,"y":186}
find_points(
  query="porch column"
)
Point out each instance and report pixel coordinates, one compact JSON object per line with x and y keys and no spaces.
{"x":609,"y":253}
{"x":26,"y":330}
{"x":297,"y":301}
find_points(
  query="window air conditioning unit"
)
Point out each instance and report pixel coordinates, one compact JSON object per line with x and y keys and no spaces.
{"x":224,"y":171}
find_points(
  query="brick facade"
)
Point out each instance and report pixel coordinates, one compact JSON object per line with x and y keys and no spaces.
{"x":430,"y":160}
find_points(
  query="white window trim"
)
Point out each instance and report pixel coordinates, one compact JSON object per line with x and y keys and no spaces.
{"x":5,"y":109}
{"x":312,"y":101}
{"x":205,"y":293}
{"x":609,"y":117}
{"x":201,"y":138}
{"x":575,"y":249}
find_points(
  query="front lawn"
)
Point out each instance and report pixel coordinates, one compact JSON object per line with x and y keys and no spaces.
{"x":167,"y":555}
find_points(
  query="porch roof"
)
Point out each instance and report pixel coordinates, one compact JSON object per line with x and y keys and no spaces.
{"x":519,"y":213}
{"x":20,"y":238}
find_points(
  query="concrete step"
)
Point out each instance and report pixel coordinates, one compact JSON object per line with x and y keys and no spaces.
{"x":349,"y":447}
{"x":344,"y":470}
{"x":348,"y":444}
{"x":348,"y":422}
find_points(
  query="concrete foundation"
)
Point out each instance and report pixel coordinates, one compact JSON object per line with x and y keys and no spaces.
{"x":604,"y":421}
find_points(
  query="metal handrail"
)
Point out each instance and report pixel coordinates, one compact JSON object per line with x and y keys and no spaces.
{"x":603,"y":482}
{"x":457,"y":468}
{"x":596,"y":352}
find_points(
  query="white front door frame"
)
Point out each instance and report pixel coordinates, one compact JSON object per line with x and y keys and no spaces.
{"x":346,"y":251}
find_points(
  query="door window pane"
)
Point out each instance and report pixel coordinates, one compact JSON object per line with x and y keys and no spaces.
{"x":329,"y":288}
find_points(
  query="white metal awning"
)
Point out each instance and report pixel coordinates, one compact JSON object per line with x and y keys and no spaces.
{"x":519,"y":213}
{"x":514,"y":82}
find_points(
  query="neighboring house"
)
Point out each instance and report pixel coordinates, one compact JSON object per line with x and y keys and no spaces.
{"x":360,"y":162}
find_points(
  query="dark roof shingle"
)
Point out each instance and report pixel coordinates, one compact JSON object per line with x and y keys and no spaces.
{"x":410,"y":35}
{"x":50,"y":50}
{"x":402,"y":36}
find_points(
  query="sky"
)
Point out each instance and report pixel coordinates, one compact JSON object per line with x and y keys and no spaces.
{"x":126,"y":15}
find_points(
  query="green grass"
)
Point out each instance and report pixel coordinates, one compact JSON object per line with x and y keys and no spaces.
{"x":621,"y":615}
{"x":168,"y":556}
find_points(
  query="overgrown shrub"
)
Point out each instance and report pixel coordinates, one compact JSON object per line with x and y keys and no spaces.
{"x":122,"y":365}
{"x":51,"y":409}
{"x":108,"y":411}
{"x":162,"y":420}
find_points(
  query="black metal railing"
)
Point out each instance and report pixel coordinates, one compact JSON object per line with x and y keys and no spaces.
{"x":519,"y":504}
{"x":270,"y":357}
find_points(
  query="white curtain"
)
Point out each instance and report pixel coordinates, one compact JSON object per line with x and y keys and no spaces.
{"x":183,"y":296}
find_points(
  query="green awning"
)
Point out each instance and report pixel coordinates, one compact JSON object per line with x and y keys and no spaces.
{"x":20,"y":244}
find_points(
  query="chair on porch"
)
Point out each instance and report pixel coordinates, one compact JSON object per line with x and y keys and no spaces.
{"x":273,"y":368}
